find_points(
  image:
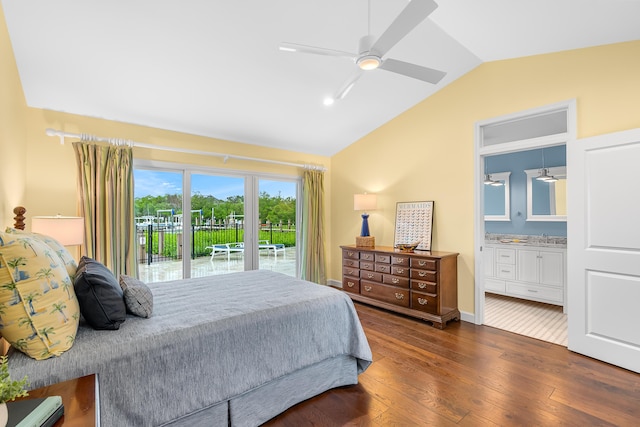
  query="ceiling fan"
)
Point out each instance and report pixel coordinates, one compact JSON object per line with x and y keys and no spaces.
{"x":371,"y":52}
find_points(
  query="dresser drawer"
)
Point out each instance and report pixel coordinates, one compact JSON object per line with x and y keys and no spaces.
{"x":367,"y":256}
{"x":350,"y":271}
{"x":395,"y":280}
{"x":351,"y":284}
{"x":383,"y":259}
{"x":400,"y":271}
{"x":536,"y":292}
{"x":351,"y":263}
{"x":424,"y":302}
{"x":422,"y":286}
{"x":506,"y":271}
{"x":506,"y":256}
{"x":371,"y":275}
{"x":424,"y":264}
{"x":383,"y":268}
{"x":426,"y":275}
{"x":367,"y":265}
{"x":390,"y":294}
{"x":347,"y":253}
{"x":400,"y":260}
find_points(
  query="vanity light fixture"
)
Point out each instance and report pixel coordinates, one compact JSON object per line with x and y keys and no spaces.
{"x":487,"y":177}
{"x":544,"y":175}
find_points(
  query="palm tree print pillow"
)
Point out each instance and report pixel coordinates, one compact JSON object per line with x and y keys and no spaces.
{"x":56,"y":249}
{"x":39,"y":312}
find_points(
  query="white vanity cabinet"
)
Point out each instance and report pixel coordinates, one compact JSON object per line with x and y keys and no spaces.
{"x":529,"y":272}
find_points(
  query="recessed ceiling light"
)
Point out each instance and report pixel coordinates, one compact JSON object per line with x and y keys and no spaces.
{"x":328,"y":101}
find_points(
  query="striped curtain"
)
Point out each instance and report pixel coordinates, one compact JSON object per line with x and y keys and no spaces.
{"x":105,"y":189}
{"x":313,"y":263}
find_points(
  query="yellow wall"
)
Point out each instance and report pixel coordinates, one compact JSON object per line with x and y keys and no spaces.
{"x":427,"y":153}
{"x":12,"y":131}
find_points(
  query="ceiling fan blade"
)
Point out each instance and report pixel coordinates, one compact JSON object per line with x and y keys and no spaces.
{"x":419,"y":72}
{"x":294,"y":47}
{"x":412,"y":15}
{"x":348,"y":84}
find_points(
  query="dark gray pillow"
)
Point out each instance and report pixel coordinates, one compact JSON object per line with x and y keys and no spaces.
{"x":99,"y":295}
{"x":137,"y":296}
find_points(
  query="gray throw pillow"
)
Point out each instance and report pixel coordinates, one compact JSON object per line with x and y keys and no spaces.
{"x":137,"y":296}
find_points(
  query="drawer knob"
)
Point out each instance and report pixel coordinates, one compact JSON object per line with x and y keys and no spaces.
{"x":350,"y":253}
{"x":422,"y":263}
{"x":399,"y":295}
{"x":350,"y":271}
{"x":370,"y":275}
{"x":394,"y":280}
{"x":350,"y":284}
{"x":422,"y":273}
{"x":422,"y":285}
{"x":367,"y":288}
{"x":400,"y":270}
{"x":532,"y":290}
{"x":422,"y":301}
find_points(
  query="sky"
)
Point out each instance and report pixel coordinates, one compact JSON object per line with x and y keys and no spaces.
{"x":157,"y":183}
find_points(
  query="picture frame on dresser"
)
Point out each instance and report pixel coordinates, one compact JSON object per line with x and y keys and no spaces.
{"x":414,"y":224}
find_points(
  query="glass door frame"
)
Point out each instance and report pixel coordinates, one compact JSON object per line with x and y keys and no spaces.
{"x":251,"y":204}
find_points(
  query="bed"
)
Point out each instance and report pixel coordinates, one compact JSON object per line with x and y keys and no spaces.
{"x":235,"y":349}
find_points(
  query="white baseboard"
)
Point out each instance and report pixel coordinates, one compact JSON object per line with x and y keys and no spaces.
{"x":467,"y":317}
{"x":334,"y":283}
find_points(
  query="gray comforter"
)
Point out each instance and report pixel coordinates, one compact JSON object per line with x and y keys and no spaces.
{"x":209,"y":339}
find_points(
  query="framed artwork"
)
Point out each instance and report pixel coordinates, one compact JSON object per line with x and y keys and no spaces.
{"x":414,"y":221}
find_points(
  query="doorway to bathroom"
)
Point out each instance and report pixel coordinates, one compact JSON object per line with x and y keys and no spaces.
{"x":521,"y":229}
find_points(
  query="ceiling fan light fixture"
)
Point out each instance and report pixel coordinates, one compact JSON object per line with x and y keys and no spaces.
{"x":369,"y":62}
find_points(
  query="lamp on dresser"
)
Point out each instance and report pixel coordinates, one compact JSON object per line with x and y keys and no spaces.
{"x":365,"y":202}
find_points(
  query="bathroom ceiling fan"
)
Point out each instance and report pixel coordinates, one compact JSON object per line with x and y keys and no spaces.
{"x":371,"y":52}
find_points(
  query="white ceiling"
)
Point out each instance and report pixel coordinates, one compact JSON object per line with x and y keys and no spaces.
{"x":213,"y":68}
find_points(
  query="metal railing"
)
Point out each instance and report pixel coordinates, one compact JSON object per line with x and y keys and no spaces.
{"x":164,"y":243}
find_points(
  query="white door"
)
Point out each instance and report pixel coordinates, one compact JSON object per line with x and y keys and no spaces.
{"x":604,"y":247}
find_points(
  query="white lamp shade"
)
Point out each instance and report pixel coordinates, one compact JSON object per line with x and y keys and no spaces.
{"x":68,"y":230}
{"x":365,"y":202}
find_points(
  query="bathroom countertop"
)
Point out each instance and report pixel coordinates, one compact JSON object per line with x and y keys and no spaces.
{"x":550,"y":243}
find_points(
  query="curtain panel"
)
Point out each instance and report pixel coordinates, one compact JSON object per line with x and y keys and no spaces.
{"x":105,"y":191}
{"x":313,"y":265}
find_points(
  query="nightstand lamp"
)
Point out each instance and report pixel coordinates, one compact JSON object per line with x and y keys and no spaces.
{"x":68,"y":230}
{"x":365,"y":202}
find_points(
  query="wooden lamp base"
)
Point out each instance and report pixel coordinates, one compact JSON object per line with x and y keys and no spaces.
{"x":365,"y":241}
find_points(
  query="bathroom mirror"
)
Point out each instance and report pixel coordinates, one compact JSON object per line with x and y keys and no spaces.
{"x":547,"y":201}
{"x":496,"y":198}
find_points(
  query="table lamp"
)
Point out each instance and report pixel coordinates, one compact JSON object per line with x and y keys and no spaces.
{"x":365,"y":202}
{"x":68,"y":230}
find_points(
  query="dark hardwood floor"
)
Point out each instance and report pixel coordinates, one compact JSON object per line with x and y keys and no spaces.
{"x":470,"y":375}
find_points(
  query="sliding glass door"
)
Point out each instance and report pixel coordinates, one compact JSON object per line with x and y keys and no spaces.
{"x":277,"y":235}
{"x":217,"y":224}
{"x":158,"y":213}
{"x":196,"y":223}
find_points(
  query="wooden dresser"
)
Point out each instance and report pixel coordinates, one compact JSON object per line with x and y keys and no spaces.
{"x":420,"y":284}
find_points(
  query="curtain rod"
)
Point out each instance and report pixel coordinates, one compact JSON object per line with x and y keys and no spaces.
{"x":85,"y":137}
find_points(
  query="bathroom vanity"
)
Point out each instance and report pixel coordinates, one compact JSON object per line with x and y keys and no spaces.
{"x":533,"y":269}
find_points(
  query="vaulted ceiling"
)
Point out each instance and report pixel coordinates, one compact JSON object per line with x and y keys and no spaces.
{"x":213,"y":67}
